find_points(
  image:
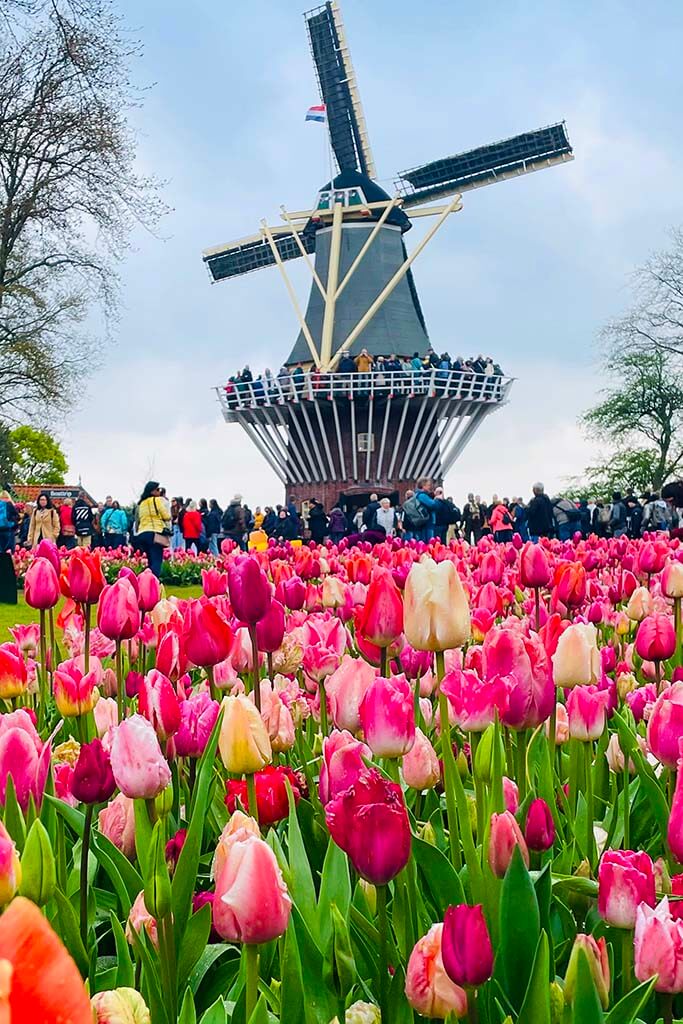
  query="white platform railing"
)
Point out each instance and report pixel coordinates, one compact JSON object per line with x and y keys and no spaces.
{"x":308,"y":387}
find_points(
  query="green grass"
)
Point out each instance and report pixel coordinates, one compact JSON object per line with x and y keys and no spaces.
{"x":15,"y":614}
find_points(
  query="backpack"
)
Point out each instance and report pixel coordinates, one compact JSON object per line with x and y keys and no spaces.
{"x":659,"y":517}
{"x":416,"y":513}
{"x":4,"y":518}
{"x":604,"y":514}
{"x":620,"y":519}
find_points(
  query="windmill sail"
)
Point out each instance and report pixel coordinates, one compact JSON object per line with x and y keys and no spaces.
{"x":475,"y":168}
{"x":338,"y":89}
{"x":253,"y":253}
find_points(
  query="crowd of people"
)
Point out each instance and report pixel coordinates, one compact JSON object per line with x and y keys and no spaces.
{"x":155,"y":523}
{"x":387,"y":372}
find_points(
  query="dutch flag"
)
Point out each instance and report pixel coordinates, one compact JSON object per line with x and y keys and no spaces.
{"x":317,"y":113}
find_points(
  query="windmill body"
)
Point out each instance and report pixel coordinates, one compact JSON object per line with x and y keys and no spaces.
{"x":336,"y":434}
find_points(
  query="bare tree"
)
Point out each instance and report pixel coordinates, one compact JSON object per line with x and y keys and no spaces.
{"x":69,"y":191}
{"x":656,"y":320}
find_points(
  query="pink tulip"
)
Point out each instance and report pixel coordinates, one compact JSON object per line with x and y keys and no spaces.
{"x":149,"y":590}
{"x":466,"y":946}
{"x":198,"y":716}
{"x":158,"y":703}
{"x":214,"y":582}
{"x":208,"y":638}
{"x":293,"y":593}
{"x":270,"y":629}
{"x":491,"y":568}
{"x":540,"y":827}
{"x":319,"y":662}
{"x":534,"y":570}
{"x":41,"y":585}
{"x":118,"y":613}
{"x":510,"y":795}
{"x":675,"y":827}
{"x":523,"y":663}
{"x":473,"y":703}
{"x":106,"y":715}
{"x":139,"y":920}
{"x":250,"y":590}
{"x":420,"y":765}
{"x":387,"y":715}
{"x":138,"y":765}
{"x":75,"y":691}
{"x":251,"y":904}
{"x":672,"y":580}
{"x":23,"y":757}
{"x":116,"y":821}
{"x":27,"y":638}
{"x":587,"y":710}
{"x":658,"y":947}
{"x":62,"y":774}
{"x":277,"y":718}
{"x":428,"y":988}
{"x":342,"y":763}
{"x":170,"y":658}
{"x":656,"y":638}
{"x":48,"y":549}
{"x":625,"y":880}
{"x":346,"y":688}
{"x":505,"y":834}
{"x":665,"y":725}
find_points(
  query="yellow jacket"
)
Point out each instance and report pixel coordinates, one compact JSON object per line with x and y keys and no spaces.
{"x":363,"y":363}
{"x":153,"y":516}
{"x":44,"y":525}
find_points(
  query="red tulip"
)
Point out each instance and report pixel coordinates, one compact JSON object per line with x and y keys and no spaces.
{"x":158,"y":703}
{"x":665,"y":725}
{"x":149,"y":590}
{"x":387,"y":716}
{"x":625,"y":880}
{"x":208,"y":638}
{"x":428,"y":988}
{"x":83,"y":576}
{"x":118,"y":614}
{"x":92,"y":781}
{"x":41,"y":585}
{"x":250,"y":590}
{"x":504,"y":836}
{"x":466,"y":946}
{"x":271,"y":793}
{"x":534,"y":569}
{"x":540,"y":827}
{"x":270,"y":629}
{"x":656,"y":638}
{"x":570,"y":584}
{"x":380,"y":619}
{"x":369,"y":821}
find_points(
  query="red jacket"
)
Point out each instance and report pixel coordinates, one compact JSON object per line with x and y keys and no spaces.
{"x":496,"y":519}
{"x":192,"y":524}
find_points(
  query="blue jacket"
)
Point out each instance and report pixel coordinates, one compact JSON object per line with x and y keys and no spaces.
{"x":431,"y":503}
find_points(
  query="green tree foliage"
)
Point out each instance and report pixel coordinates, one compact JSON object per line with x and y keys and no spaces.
{"x":639,"y":420}
{"x":36,"y":457}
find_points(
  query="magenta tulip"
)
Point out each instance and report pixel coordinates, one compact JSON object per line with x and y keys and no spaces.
{"x":118,"y":613}
{"x":675,"y":827}
{"x":250,"y":590}
{"x":625,"y":880}
{"x":23,"y":757}
{"x":428,"y":988}
{"x":342,"y":763}
{"x":92,"y":781}
{"x":540,"y":827}
{"x":198,"y":716}
{"x":214,"y":582}
{"x":656,"y":638}
{"x":665,"y":725}
{"x":534,"y":569}
{"x":466,"y":946}
{"x":472,"y":702}
{"x":139,"y":767}
{"x":208,"y":638}
{"x":41,"y":585}
{"x":292,"y":593}
{"x":387,"y":715}
{"x":149,"y":590}
{"x":587,"y":710}
{"x":369,"y":822}
{"x":48,"y":549}
{"x":270,"y":629}
{"x":158,"y":703}
{"x":523,"y":663}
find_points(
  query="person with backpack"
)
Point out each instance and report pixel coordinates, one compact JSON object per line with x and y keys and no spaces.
{"x":473,"y":520}
{"x":539,"y":514}
{"x":212,"y":525}
{"x":500,"y":522}
{"x":425,"y":497}
{"x":235,"y":521}
{"x":8,"y":522}
{"x":634,"y":512}
{"x":415,"y":517}
{"x":444,"y":514}
{"x":83,"y":521}
{"x":618,"y":518}
{"x":337,"y":525}
{"x":656,"y":515}
{"x":153,"y":526}
{"x":44,"y":522}
{"x":567,"y":517}
{"x":114,"y":523}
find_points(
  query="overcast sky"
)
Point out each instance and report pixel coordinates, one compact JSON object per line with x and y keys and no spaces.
{"x":528,"y":271}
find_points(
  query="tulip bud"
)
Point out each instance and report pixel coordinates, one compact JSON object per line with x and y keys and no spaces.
{"x":10,"y":866}
{"x":139,"y":767}
{"x":270,"y":629}
{"x":428,"y":988}
{"x":339,"y":966}
{"x":534,"y":570}
{"x":140,"y":918}
{"x":597,"y":958}
{"x":157,"y":883}
{"x":656,"y":638}
{"x":250,"y":590}
{"x":243,"y":743}
{"x":158,"y":703}
{"x":540,"y":827}
{"x":672,"y":580}
{"x":362,"y":1013}
{"x":38,"y":874}
{"x":505,"y":834}
{"x":149,"y":590}
{"x":436,"y":611}
{"x":120,"y":1006}
{"x":421,"y":765}
{"x":556,"y":1003}
{"x":626,"y":683}
{"x":427,"y":834}
{"x":662,"y":877}
{"x":466,"y":946}
{"x":163,"y":802}
{"x":93,"y":780}
{"x":41,"y":585}
{"x":587,"y":710}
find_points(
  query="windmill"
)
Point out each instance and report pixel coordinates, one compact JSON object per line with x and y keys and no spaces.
{"x":325,"y":430}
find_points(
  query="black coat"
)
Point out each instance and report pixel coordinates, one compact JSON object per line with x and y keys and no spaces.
{"x":539,"y":516}
{"x":318,"y":523}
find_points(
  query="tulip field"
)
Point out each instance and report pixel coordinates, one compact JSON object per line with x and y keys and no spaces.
{"x":353,"y":785}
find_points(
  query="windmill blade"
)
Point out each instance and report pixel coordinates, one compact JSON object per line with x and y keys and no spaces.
{"x":338,"y":89}
{"x":486,"y":165}
{"x":253,"y":253}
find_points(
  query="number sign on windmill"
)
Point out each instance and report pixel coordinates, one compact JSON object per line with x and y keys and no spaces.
{"x":325,"y":427}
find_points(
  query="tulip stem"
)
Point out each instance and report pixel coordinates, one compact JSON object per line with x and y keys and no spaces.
{"x":86,"y":639}
{"x":449,"y":768}
{"x":537,"y":602}
{"x":552,"y":732}
{"x":521,"y":764}
{"x":677,"y":627}
{"x":212,"y":683}
{"x":120,"y":692}
{"x":53,"y":645}
{"x":382,"y":928}
{"x":85,"y":849}
{"x":472,"y":1008}
{"x":255,"y":671}
{"x":588,"y":754}
{"x":43,"y":668}
{"x":627,"y":808}
{"x":479,"y":793}
{"x":383,"y":662}
{"x":251,"y":795}
{"x":323,"y":707}
{"x":626,"y":960}
{"x":252,"y":958}
{"x":667,"y":1002}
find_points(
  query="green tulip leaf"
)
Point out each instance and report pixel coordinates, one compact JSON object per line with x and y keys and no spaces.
{"x":628,"y":1008}
{"x":125,"y":974}
{"x":187,"y":1011}
{"x":260,"y":1014}
{"x":293,"y":1004}
{"x":69,"y":932}
{"x":440,"y":877}
{"x":194,"y":943}
{"x":520,"y":929}
{"x":301,"y":887}
{"x":335,"y":888}
{"x":536,"y":1005}
{"x":12,"y":817}
{"x":587,"y":1008}
{"x":125,"y":879}
{"x":216,"y":1014}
